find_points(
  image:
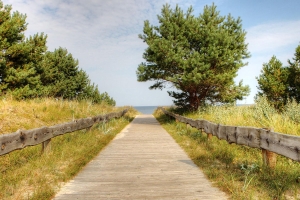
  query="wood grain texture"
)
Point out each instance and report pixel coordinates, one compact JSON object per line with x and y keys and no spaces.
{"x":142,"y":162}
{"x":23,"y":138}
{"x":282,"y":144}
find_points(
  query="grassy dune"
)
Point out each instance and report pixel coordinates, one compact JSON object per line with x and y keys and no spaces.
{"x":28,"y":174}
{"x":238,"y":170}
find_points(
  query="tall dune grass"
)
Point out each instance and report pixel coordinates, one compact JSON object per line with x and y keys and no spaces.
{"x":28,"y":174}
{"x":261,"y":115}
{"x":34,"y":113}
{"x":238,"y":170}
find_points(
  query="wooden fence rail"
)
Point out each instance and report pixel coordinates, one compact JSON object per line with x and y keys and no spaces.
{"x":23,"y":138}
{"x":267,"y":140}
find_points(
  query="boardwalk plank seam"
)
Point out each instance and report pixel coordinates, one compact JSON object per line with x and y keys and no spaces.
{"x":142,"y":162}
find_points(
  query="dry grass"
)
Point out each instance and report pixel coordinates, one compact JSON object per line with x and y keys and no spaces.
{"x":262,"y":115}
{"x":45,"y":112}
{"x":28,"y":174}
{"x":238,"y":170}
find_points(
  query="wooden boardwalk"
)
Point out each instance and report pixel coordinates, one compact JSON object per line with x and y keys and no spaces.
{"x":142,"y":162}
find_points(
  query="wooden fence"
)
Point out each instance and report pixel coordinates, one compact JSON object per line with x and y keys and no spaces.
{"x":23,"y":138}
{"x":270,"y":142}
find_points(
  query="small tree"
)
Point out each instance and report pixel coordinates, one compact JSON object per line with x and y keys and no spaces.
{"x":106,"y":98}
{"x":199,"y":56}
{"x":273,"y":82}
{"x":294,"y":76}
{"x":278,"y":83}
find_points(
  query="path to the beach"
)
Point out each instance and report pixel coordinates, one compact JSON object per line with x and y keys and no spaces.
{"x":142,"y":162}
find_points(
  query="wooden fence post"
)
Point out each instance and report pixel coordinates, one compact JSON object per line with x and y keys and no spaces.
{"x":46,"y":146}
{"x":188,"y":130}
{"x":269,"y":157}
{"x":209,"y":136}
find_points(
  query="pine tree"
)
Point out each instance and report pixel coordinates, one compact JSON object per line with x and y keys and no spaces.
{"x":19,"y":56}
{"x":273,"y":82}
{"x":28,"y":71}
{"x":106,"y":98}
{"x":294,"y":76}
{"x":198,"y":56}
{"x":61,"y":76}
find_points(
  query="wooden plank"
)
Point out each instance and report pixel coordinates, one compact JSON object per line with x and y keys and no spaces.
{"x":248,"y":136}
{"x":231,"y":134}
{"x":23,"y":138}
{"x":10,"y":142}
{"x":180,"y":119}
{"x":142,"y":162}
{"x":227,"y":133}
{"x":199,"y":124}
{"x":210,"y":127}
{"x":222,"y":132}
{"x":193,"y":123}
{"x":98,"y":118}
{"x":214,"y":128}
{"x":282,"y":144}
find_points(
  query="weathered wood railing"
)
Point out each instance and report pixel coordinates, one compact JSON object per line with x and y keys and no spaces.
{"x":270,"y":142}
{"x":23,"y":138}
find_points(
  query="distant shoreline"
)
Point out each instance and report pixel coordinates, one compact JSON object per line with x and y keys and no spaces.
{"x":145,"y":109}
{"x":151,"y":109}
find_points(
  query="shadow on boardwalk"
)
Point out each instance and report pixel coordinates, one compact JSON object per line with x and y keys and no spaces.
{"x":142,"y":162}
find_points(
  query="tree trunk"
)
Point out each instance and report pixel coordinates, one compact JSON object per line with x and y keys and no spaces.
{"x":194,"y":101}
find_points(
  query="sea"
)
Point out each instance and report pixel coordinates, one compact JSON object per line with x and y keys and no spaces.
{"x":148,"y":110}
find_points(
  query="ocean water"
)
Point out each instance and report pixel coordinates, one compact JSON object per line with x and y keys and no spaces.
{"x":148,"y":110}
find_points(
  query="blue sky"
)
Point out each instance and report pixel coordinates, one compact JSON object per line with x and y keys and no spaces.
{"x":103,"y":36}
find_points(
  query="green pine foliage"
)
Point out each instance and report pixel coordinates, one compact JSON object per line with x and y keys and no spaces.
{"x":17,"y":68}
{"x":273,"y":82}
{"x":61,"y":75}
{"x":28,"y":70}
{"x":198,"y":56}
{"x":280,"y":84}
{"x":294,"y":76}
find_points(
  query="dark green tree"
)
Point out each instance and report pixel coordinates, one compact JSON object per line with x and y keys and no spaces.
{"x":62,"y":78}
{"x":106,"y":98}
{"x":198,"y":56}
{"x":19,"y":56}
{"x":28,"y":71}
{"x":272,"y":82}
{"x":294,"y":76}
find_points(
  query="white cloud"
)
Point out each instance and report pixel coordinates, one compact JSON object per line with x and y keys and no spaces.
{"x":103,"y":36}
{"x":265,"y":40}
{"x":273,"y":36}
